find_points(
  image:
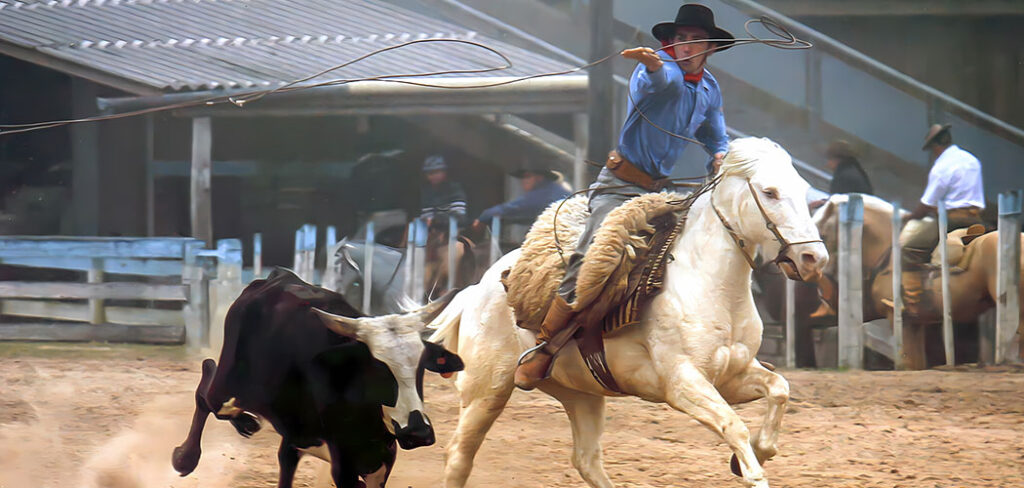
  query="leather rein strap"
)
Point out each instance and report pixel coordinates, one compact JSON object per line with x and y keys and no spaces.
{"x":768,"y":223}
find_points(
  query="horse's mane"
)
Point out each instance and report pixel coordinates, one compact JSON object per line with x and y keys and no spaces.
{"x":746,"y":153}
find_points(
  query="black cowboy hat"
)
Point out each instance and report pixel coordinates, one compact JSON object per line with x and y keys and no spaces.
{"x":694,"y":15}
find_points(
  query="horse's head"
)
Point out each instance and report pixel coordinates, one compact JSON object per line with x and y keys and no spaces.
{"x":767,"y":201}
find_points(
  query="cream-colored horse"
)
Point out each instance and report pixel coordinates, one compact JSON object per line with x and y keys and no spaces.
{"x":972,"y":291}
{"x":694,"y":348}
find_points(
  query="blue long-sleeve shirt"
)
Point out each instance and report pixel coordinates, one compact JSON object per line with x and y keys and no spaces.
{"x":526,"y":207}
{"x":676,"y":106}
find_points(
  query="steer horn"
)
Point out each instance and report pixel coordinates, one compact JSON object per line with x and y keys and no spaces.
{"x":341,"y":325}
{"x":430,"y":311}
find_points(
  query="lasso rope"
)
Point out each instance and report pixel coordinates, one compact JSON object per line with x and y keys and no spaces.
{"x":784,"y":40}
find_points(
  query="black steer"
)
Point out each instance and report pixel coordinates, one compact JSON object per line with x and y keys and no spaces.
{"x":304,"y":359}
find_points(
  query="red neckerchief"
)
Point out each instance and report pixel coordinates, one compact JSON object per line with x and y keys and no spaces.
{"x":687,"y":77}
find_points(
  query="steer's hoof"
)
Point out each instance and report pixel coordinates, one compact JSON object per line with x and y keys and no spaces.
{"x":246,"y":424}
{"x":184,"y":460}
{"x":734,"y":465}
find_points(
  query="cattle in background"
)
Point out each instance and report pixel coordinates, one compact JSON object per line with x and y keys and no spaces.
{"x":324,"y":376}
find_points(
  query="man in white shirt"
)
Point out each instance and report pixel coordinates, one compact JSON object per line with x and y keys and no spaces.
{"x":955,"y":178}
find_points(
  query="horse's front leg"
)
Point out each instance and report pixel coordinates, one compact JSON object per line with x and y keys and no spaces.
{"x":755,"y":383}
{"x":689,"y":391}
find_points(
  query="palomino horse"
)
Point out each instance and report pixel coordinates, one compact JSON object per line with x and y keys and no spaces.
{"x":694,"y":347}
{"x":972,"y":291}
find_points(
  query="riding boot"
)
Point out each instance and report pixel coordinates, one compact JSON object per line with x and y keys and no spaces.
{"x":914,"y":292}
{"x":537,"y":365}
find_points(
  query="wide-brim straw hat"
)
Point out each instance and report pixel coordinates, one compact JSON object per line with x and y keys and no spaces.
{"x":934,"y":132}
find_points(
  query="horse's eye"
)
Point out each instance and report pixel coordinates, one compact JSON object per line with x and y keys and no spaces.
{"x":771,"y":193}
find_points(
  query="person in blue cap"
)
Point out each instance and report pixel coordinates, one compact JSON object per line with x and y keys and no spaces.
{"x":676,"y":98}
{"x":440,"y":197}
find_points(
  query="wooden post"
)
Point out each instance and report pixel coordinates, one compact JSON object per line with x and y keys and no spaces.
{"x":309,"y":253}
{"x":897,"y":286}
{"x":197,"y":309}
{"x":297,"y":265}
{"x":85,"y":159}
{"x":97,"y":313}
{"x":453,"y":230}
{"x":329,"y":277}
{"x":600,"y":91}
{"x":495,"y":239}
{"x":150,"y":180}
{"x":368,"y":268}
{"x":201,"y":213}
{"x":851,"y":303}
{"x":579,"y":165}
{"x":790,"y":323}
{"x":947,"y":315}
{"x":419,"y":261}
{"x":410,"y":256}
{"x":1008,"y":286}
{"x":257,"y":256}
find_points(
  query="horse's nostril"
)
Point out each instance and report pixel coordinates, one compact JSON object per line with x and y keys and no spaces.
{"x":808,"y":258}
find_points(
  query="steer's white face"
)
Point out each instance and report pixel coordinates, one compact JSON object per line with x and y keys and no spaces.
{"x":396,"y":341}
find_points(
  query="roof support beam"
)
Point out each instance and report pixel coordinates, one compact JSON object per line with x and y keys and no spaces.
{"x":458,"y":95}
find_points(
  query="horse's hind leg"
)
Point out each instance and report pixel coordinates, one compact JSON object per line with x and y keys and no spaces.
{"x":689,"y":391}
{"x":186,"y":456}
{"x":483,"y":398}
{"x":755,"y":383}
{"x":586,"y":415}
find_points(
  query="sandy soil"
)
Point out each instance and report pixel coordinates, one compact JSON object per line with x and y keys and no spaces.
{"x":96,"y":415}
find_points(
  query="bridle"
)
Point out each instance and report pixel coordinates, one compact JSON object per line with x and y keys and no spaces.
{"x":768,"y":223}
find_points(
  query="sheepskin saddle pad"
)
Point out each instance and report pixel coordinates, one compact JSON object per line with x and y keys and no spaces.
{"x":621,"y":271}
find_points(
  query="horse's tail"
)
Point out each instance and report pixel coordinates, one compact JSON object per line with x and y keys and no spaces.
{"x":446,"y":325}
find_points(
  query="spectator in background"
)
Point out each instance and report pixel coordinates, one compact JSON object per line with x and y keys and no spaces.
{"x":847,"y":174}
{"x":440,"y":197}
{"x":540,"y":187}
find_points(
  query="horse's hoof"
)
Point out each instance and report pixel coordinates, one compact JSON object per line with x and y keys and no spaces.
{"x":734,"y":465}
{"x":185,"y":460}
{"x":246,"y":424}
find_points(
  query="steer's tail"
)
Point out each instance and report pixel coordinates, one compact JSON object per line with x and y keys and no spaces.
{"x":446,"y":325}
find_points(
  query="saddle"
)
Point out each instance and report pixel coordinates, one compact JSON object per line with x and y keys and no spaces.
{"x":621,"y":272}
{"x":959,"y":252}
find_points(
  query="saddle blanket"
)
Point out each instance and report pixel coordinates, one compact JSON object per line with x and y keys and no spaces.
{"x":622,"y":268}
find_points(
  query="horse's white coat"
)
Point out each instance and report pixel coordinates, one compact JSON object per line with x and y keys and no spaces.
{"x":694,"y":349}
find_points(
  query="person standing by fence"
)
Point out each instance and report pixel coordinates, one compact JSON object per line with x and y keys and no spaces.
{"x":955,"y":179}
{"x":847,"y":174}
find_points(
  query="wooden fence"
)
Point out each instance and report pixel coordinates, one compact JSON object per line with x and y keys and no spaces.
{"x":148,"y":290}
{"x":999,"y":345}
{"x":413,"y":262}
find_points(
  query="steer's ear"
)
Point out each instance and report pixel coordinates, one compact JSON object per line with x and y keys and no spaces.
{"x":440,"y":360}
{"x":341,"y":325}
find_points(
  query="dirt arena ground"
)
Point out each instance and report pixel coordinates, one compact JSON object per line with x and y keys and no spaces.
{"x":108,"y":416}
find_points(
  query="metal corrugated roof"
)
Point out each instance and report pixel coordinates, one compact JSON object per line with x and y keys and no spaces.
{"x":184,"y":45}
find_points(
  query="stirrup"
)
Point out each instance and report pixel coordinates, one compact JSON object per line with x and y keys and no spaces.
{"x":530,"y":350}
